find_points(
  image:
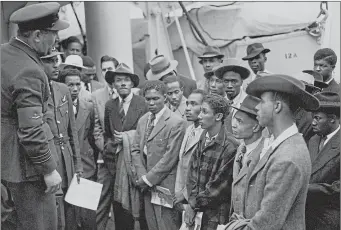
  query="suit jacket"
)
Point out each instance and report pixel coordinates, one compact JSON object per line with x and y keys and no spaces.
{"x":276,"y":188}
{"x":112,"y":122}
{"x":84,"y":95}
{"x":99,"y":99}
{"x":160,"y":164}
{"x":26,"y":153}
{"x":85,"y":122}
{"x":62,"y":122}
{"x":323,"y":199}
{"x":184,"y":158}
{"x":332,"y":87}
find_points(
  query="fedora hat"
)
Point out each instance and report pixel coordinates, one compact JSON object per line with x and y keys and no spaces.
{"x":160,"y":66}
{"x":89,"y":64}
{"x":254,"y":49}
{"x":210,"y":52}
{"x":73,"y":60}
{"x":328,"y":100}
{"x":54,"y":52}
{"x":122,"y":69}
{"x":284,"y":84}
{"x":232,"y":64}
{"x":39,"y":16}
{"x":308,"y":81}
{"x":248,"y":105}
{"x":318,"y":78}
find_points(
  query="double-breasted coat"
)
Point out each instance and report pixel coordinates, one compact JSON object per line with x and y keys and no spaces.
{"x":323,"y":199}
{"x":26,"y":153}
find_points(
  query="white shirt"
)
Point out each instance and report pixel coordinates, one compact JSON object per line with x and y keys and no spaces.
{"x":157,"y":118}
{"x":74,"y":107}
{"x":330,"y":135}
{"x":250,"y":148}
{"x":126,"y":103}
{"x":238,"y":100}
{"x":292,"y":130}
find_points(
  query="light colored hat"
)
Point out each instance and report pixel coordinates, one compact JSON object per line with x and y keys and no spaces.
{"x":73,"y":60}
{"x":160,"y":66}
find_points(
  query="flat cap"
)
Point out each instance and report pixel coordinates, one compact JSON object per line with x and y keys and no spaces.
{"x":39,"y":16}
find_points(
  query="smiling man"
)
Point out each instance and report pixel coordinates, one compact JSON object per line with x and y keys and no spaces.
{"x":324,"y":63}
{"x":323,"y":199}
{"x":155,"y":153}
{"x":209,"y":177}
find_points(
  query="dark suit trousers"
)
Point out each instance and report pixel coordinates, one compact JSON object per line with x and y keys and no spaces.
{"x":105,"y":202}
{"x":35,"y":209}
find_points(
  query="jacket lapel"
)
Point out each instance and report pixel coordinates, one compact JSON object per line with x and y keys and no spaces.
{"x":313,"y":147}
{"x":160,"y":124}
{"x":193,"y":142}
{"x":328,"y":152}
{"x":262,"y":161}
{"x":82,"y":114}
{"x":132,"y":114}
{"x":102,"y":100}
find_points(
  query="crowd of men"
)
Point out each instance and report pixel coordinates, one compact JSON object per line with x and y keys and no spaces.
{"x":251,"y":150}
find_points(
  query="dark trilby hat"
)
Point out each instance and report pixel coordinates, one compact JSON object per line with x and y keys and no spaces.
{"x":122,"y":69}
{"x":254,"y":49}
{"x":54,"y":52}
{"x":210,"y":52}
{"x":249,"y":105}
{"x":328,"y":100}
{"x":89,"y":64}
{"x":38,"y":17}
{"x":284,"y":84}
{"x":318,"y":78}
{"x":232,"y":64}
{"x":160,"y":66}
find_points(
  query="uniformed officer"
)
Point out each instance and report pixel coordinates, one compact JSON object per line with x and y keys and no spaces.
{"x":28,"y":160}
{"x":61,"y":119}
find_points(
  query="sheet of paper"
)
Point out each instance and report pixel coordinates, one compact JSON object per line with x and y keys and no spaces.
{"x":162,"y":196}
{"x":197,"y":222}
{"x":86,"y":194}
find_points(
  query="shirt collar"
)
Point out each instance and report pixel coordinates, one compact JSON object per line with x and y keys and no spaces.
{"x":158,"y":115}
{"x":327,"y":82}
{"x":252,"y":146}
{"x":127,"y":99}
{"x":239,"y":98}
{"x":292,"y":130}
{"x":330,"y":135}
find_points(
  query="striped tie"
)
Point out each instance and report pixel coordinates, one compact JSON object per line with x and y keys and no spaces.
{"x":121,"y":111}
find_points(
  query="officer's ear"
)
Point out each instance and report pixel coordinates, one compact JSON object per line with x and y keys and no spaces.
{"x":36,"y":35}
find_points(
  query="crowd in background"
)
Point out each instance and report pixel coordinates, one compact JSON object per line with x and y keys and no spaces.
{"x":233,"y":155}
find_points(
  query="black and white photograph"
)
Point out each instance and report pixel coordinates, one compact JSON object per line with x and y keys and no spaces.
{"x":166,"y":115}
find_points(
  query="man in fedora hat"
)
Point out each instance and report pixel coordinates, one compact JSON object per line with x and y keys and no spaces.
{"x":28,"y":159}
{"x":323,"y":199}
{"x":232,"y":75}
{"x":277,"y":185}
{"x":255,"y":55}
{"x":210,"y":58}
{"x":245,"y":127}
{"x":155,"y":155}
{"x":161,"y":67}
{"x":120,"y":117}
{"x":324,"y":63}
{"x":89,"y":80}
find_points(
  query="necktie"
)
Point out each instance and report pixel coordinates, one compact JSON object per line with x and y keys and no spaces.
{"x":121,"y":111}
{"x":75,"y":107}
{"x":323,"y":139}
{"x":241,"y":158}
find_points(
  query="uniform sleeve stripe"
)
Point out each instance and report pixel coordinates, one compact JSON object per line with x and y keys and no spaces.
{"x":42,"y":158}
